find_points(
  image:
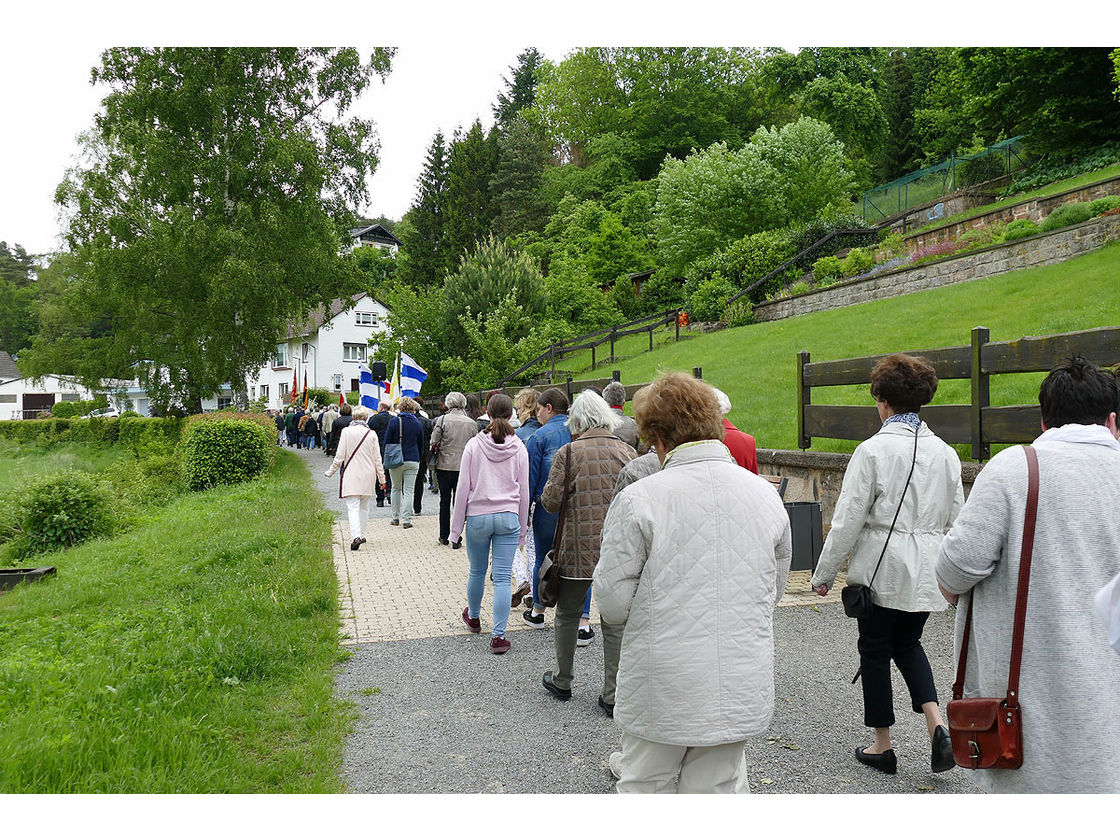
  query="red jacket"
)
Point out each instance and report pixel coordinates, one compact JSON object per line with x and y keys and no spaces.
{"x":741,"y":445}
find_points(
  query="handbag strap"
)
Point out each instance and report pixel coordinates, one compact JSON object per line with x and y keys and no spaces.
{"x":1025,"y":555}
{"x":348,"y":460}
{"x":898,"y":510}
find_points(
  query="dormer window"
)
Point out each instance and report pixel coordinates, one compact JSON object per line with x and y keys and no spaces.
{"x":365,"y":319}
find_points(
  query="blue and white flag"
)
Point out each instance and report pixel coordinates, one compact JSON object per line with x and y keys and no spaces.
{"x":369,"y":389}
{"x":412,"y":376}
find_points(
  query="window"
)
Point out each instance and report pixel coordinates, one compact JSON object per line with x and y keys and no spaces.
{"x":354,"y":384}
{"x":252,"y":392}
{"x":264,"y":392}
{"x":70,"y":397}
{"x":284,"y":391}
{"x":7,"y":398}
{"x":306,"y":351}
{"x":353,"y":352}
{"x":338,"y":381}
{"x":225,"y":402}
{"x":365,"y":319}
{"x":281,"y":358}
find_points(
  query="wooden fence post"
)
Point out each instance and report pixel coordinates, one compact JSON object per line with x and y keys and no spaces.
{"x":677,"y":321}
{"x":614,"y":330}
{"x":616,"y":376}
{"x":981,"y":396}
{"x":697,"y":373}
{"x":593,"y":357}
{"x":803,"y":440}
{"x":568,"y":388}
{"x":552,"y":355}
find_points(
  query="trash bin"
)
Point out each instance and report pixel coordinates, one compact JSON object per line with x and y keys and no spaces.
{"x":807,"y":532}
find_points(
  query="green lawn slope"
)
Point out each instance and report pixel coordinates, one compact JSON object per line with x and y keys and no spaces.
{"x":757,"y":365}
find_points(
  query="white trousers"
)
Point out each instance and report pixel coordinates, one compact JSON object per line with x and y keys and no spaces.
{"x":649,"y":767}
{"x":357,"y":508}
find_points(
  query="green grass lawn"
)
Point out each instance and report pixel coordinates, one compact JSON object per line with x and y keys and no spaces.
{"x":21,"y":465}
{"x":757,"y":365}
{"x":192,"y":654}
{"x":1050,"y":189}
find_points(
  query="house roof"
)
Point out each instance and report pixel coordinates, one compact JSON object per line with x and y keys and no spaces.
{"x":375,"y":232}
{"x":8,"y":369}
{"x":320,"y":316}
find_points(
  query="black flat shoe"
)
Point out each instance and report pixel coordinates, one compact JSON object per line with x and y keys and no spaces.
{"x":354,"y":543}
{"x":556,"y":691}
{"x":941,"y":757}
{"x":606,"y":707}
{"x":887,"y":762}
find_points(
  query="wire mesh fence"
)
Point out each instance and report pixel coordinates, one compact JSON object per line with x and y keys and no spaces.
{"x":933,"y":182}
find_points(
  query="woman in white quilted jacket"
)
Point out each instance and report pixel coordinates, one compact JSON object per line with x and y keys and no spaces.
{"x":694,"y":559}
{"x":901,"y":493}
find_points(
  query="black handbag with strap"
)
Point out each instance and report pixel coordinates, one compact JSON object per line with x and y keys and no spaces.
{"x":548,"y":578}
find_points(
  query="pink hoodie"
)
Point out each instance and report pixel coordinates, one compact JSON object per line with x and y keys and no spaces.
{"x":493,"y":478}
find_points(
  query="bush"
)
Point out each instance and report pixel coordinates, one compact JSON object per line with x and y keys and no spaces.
{"x":799,"y":288}
{"x":225,"y":452}
{"x":936,"y":251}
{"x":1020,"y":229}
{"x":857,"y":262}
{"x":826,"y":268}
{"x":1067,"y":214}
{"x":1048,"y":171}
{"x":893,"y":245}
{"x":61,"y":511}
{"x":319,"y":396}
{"x":709,"y":299}
{"x":738,"y":313}
{"x":1102,"y":205}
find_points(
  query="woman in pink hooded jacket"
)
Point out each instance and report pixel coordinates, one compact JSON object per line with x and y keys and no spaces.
{"x":493,"y":499}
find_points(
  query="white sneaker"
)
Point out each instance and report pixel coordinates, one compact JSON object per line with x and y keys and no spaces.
{"x":615,"y":763}
{"x":586,"y":634}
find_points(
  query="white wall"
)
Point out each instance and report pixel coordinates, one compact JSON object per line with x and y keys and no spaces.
{"x":11,"y":393}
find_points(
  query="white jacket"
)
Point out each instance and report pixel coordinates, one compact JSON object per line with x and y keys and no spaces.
{"x":694,"y":559}
{"x":873,"y":483}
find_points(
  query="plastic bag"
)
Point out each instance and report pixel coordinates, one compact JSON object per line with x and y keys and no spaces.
{"x":522,"y":568}
{"x":1106,"y":604}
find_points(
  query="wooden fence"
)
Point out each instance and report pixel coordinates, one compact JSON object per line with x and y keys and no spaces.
{"x":979,"y":423}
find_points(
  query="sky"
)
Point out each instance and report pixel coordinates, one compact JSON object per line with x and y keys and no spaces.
{"x":448,"y":70}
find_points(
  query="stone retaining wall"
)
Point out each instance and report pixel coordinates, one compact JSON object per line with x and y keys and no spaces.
{"x":1036,"y":209}
{"x":1043,"y":249}
{"x":817,"y":476}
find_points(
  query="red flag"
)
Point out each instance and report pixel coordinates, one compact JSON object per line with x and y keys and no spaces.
{"x":341,"y":398}
{"x":295,"y":386}
{"x":305,"y":389}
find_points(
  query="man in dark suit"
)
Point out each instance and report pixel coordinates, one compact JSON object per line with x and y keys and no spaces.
{"x":380,"y":424}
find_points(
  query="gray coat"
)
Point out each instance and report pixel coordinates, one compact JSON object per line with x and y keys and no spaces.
{"x":451,"y":432}
{"x":694,"y":559}
{"x":1069,"y":683}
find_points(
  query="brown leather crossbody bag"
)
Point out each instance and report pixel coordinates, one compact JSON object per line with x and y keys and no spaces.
{"x":987,"y":732}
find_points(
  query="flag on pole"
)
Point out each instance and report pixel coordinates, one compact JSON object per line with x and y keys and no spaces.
{"x":412,"y":376}
{"x":305,"y":390}
{"x":368,"y":388}
{"x":295,"y":386}
{"x":394,"y":392}
{"x":342,"y":398}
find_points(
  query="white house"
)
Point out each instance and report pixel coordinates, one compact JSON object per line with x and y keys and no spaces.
{"x":328,"y":349}
{"x":374,"y":236}
{"x":24,"y":398}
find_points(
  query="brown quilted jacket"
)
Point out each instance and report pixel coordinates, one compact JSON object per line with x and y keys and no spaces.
{"x":597,"y":457}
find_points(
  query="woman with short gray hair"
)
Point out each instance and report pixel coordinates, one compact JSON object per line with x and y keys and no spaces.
{"x":359,"y":458}
{"x":449,"y":439}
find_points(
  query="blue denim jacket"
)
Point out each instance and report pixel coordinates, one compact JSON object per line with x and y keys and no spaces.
{"x":543,"y":445}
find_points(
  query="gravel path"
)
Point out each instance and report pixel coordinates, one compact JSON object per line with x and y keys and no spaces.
{"x":443,"y":715}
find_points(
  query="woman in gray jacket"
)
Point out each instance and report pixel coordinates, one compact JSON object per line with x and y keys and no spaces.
{"x":450,"y":434}
{"x":901,"y":492}
{"x":693,"y":561}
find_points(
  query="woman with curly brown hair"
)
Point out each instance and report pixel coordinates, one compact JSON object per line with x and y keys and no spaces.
{"x":901,"y":493}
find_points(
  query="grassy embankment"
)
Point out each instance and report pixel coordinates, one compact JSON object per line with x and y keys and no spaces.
{"x":757,"y":365}
{"x":193,"y":653}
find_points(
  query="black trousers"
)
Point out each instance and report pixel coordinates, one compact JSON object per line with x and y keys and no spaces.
{"x":419,"y":486}
{"x":448,"y":481}
{"x":383,"y":495}
{"x":892,"y":634}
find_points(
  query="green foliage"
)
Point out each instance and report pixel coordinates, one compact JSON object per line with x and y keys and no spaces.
{"x":424,"y":257}
{"x":826,"y":268}
{"x":856,"y":262}
{"x":521,"y":88}
{"x":523,"y":153}
{"x":225,"y":452}
{"x":1059,"y":167}
{"x":17,"y":298}
{"x":662,"y":292}
{"x":799,"y":288}
{"x":62,"y":511}
{"x":992,"y":234}
{"x":744,"y":261}
{"x":738,"y":313}
{"x":469,"y":208}
{"x":891,"y":246}
{"x":1104,"y":204}
{"x":320,"y":397}
{"x":709,"y":300}
{"x":1067,"y":214}
{"x":78,"y":408}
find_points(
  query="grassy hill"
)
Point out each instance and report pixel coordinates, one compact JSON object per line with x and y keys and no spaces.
{"x":757,"y":365}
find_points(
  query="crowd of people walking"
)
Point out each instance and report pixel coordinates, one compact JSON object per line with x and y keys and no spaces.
{"x":662,"y":519}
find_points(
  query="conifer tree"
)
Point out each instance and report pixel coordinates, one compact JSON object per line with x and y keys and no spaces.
{"x":521,"y":90}
{"x":472,"y":161}
{"x":423,"y":259}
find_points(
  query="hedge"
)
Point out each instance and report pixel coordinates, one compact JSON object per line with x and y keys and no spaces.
{"x":139,"y":434}
{"x":226,"y":451}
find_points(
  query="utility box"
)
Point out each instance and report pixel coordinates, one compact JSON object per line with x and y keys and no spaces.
{"x":807,"y":532}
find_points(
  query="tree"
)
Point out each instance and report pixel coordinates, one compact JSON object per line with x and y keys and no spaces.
{"x":211,"y":209}
{"x":854,"y":113}
{"x":900,"y":153}
{"x":521,"y":90}
{"x":523,"y":153}
{"x":423,"y":257}
{"x":17,"y":298}
{"x":469,"y":205}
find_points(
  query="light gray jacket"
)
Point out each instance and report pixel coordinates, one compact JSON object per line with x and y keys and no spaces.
{"x":452,"y":431}
{"x":694,"y":559}
{"x":1069,"y":682}
{"x":873,"y":484}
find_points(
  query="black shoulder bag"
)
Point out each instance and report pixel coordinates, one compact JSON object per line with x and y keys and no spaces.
{"x":856,"y":597}
{"x":548,"y":576}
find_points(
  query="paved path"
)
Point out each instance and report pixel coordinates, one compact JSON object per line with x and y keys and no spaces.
{"x":439,"y":714}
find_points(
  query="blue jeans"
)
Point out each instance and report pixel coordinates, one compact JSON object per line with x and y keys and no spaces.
{"x":502,"y":530}
{"x":544,"y":532}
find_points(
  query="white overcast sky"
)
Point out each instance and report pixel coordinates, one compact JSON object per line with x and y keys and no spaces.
{"x":448,"y":69}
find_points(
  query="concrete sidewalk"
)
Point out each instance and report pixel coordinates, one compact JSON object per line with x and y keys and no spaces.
{"x":439,"y":713}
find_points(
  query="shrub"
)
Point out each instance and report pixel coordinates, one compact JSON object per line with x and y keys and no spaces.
{"x":1102,"y":205}
{"x":1020,"y":229}
{"x":857,"y":262}
{"x":709,"y":299}
{"x":739,"y":313}
{"x":933,"y":252}
{"x":1067,"y":214}
{"x":798,"y":288}
{"x":319,"y":396}
{"x":225,"y":452}
{"x":893,"y":245}
{"x":826,"y":268}
{"x":61,"y":511}
{"x":1048,"y":171}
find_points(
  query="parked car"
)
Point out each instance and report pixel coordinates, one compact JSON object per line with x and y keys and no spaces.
{"x":103,"y":412}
